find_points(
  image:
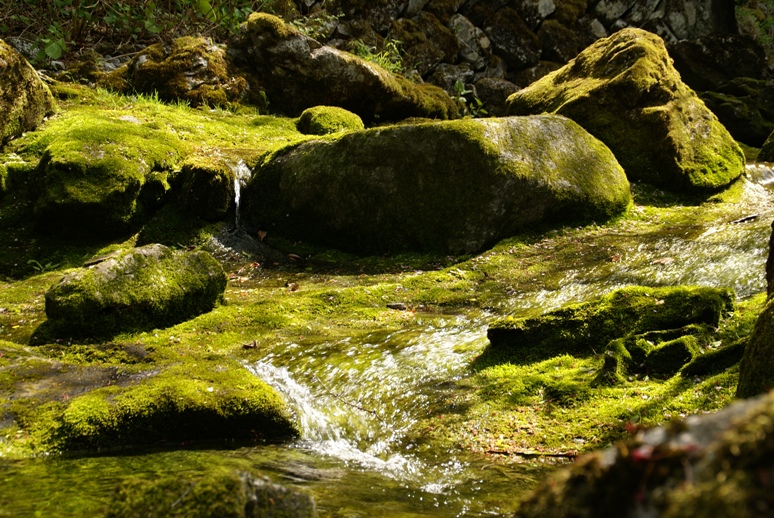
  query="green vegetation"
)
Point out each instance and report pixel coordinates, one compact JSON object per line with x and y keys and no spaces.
{"x":322,"y":120}
{"x":389,"y":58}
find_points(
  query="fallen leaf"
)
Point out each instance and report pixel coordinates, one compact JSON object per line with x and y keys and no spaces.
{"x":261,"y":235}
{"x":615,"y":258}
{"x":663,"y":260}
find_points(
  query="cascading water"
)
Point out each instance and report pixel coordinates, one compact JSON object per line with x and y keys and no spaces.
{"x":359,"y":398}
{"x":242,"y":175}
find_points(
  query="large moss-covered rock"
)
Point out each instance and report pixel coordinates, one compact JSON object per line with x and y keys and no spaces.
{"x":756,"y":372}
{"x":142,"y":288}
{"x":704,"y":466}
{"x":220,"y":493}
{"x":198,"y":399}
{"x":586,"y":328}
{"x":624,"y":90}
{"x":453,"y":186}
{"x":24,"y":99}
{"x":102,"y":174}
{"x":189,"y":69}
{"x":298,"y":72}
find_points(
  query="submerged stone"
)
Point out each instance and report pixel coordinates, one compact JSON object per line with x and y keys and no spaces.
{"x":24,"y":99}
{"x":454,"y":187}
{"x":219,"y":494}
{"x":297,"y":72}
{"x":139,"y":289}
{"x":624,"y":90}
{"x":587,"y":328}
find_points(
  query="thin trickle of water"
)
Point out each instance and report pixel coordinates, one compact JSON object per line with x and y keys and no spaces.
{"x":242,"y":175}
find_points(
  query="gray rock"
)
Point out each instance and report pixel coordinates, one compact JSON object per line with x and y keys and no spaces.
{"x":475,"y":47}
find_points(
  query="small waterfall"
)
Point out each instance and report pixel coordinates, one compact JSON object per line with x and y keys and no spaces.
{"x":242,"y":175}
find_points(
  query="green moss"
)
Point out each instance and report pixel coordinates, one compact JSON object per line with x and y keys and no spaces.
{"x":141,"y":289}
{"x":584,"y":328}
{"x":667,"y":359}
{"x":453,"y":186}
{"x":322,"y":120}
{"x":756,"y":371}
{"x":191,"y":69}
{"x":199,"y":399}
{"x":625,"y":91}
{"x":25,"y":100}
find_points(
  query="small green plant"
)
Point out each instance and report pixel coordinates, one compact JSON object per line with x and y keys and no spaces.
{"x":317,"y":25}
{"x":470,"y":104}
{"x":390,"y":58}
{"x":42,"y":268}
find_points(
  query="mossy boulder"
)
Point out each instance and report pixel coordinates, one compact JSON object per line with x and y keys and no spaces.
{"x":24,"y":99}
{"x":297,"y":73}
{"x":199,"y":399}
{"x":585,"y":329}
{"x":219,"y":493}
{"x":101,"y":175}
{"x":624,"y":90}
{"x":189,"y":69}
{"x":454,"y":186}
{"x":767,"y":151}
{"x":756,"y":371}
{"x":322,"y":120}
{"x":703,"y":466}
{"x":138,"y":289}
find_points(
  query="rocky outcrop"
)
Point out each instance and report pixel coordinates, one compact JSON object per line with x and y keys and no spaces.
{"x":139,"y":289}
{"x":297,"y":72}
{"x":453,"y":186}
{"x":625,"y":91}
{"x":703,"y":466}
{"x":219,"y":493}
{"x":24,"y":99}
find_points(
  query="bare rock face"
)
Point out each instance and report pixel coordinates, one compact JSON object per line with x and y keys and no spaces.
{"x":24,"y":99}
{"x":624,"y":90}
{"x":455,"y":186}
{"x":297,"y":72}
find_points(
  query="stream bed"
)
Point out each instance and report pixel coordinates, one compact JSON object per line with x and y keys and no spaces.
{"x":360,"y":399}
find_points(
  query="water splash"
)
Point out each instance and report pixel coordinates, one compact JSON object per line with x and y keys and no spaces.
{"x":359,"y":398}
{"x":242,"y":175}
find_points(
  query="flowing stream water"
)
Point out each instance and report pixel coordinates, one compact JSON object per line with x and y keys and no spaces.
{"x":358,"y":400}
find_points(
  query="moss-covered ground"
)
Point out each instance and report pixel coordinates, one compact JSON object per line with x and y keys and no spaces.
{"x":501,"y":409}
